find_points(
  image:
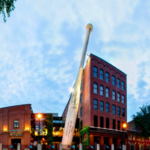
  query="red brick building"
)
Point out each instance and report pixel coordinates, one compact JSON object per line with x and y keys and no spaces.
{"x":15,"y":125}
{"x":103,"y":102}
{"x":136,"y":142}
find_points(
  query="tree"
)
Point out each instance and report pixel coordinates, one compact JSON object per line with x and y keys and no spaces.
{"x":142,"y":121}
{"x":6,"y":6}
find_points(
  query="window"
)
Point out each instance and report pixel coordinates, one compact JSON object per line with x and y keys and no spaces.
{"x":114,"y":124}
{"x":81,"y":98}
{"x":95,"y":88}
{"x":101,"y":74}
{"x":95,"y":121}
{"x":81,"y":85}
{"x":118,"y":111}
{"x":101,"y":90}
{"x":118,"y":83}
{"x":107,"y":107}
{"x":114,"y":109}
{"x":123,"y":99}
{"x":123,"y":112}
{"x":113,"y":80}
{"x":118,"y":97}
{"x":107,"y":77}
{"x":113,"y":95}
{"x":107,"y":92}
{"x":118,"y":125}
{"x":16,"y":123}
{"x":123,"y":88}
{"x":81,"y":112}
{"x":95,"y":71}
{"x":95,"y":104}
{"x":101,"y":106}
{"x":101,"y":122}
{"x":107,"y":122}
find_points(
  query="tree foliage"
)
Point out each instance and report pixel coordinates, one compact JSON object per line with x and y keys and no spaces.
{"x":6,"y":6}
{"x":142,"y":121}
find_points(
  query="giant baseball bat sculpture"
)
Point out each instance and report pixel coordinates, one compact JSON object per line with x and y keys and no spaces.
{"x":74,"y":100}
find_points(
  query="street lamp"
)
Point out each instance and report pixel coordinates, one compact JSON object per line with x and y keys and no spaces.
{"x":39,"y":116}
{"x":124,"y":126}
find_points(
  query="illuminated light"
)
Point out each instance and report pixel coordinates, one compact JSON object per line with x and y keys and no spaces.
{"x":39,"y":116}
{"x":43,"y":139}
{"x":26,"y":129}
{"x":5,"y":130}
{"x":71,"y":89}
{"x":124,"y":125}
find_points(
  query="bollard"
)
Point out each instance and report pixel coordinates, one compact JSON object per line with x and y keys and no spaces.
{"x":60,"y":146}
{"x":39,"y":147}
{"x":80,"y":146}
{"x":123,"y":147}
{"x":0,"y":146}
{"x":112,"y":146}
{"x":18,"y":146}
{"x":98,"y":147}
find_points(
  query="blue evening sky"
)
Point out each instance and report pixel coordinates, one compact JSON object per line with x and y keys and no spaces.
{"x":42,"y":41}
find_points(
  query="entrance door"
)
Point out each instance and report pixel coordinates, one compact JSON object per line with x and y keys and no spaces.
{"x":115,"y":143}
{"x":14,"y":142}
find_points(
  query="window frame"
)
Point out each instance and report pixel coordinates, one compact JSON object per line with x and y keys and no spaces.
{"x":102,"y":90}
{"x":107,"y":92}
{"x":122,"y":112}
{"x":123,"y":102}
{"x":81,"y":98}
{"x":107,"y":77}
{"x":113,"y":94}
{"x":118,"y":82}
{"x":95,"y":72}
{"x":102,"y":106}
{"x":15,"y":125}
{"x":122,"y":85}
{"x":81,"y":111}
{"x":107,"y":107}
{"x":118,"y":111}
{"x":101,"y":75}
{"x":95,"y":100}
{"x":113,"y":81}
{"x":118,"y":97}
{"x":114,"y":109}
{"x":95,"y":88}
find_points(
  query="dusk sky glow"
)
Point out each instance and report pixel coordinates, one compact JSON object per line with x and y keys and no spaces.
{"x":42,"y":41}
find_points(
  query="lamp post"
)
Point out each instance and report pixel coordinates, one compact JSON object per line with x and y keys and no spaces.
{"x":124,"y":126}
{"x":39,"y":116}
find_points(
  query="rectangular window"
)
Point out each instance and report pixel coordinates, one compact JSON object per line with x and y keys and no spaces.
{"x":95,"y":88}
{"x":101,"y":122}
{"x":118,"y":125}
{"x":114,"y":109}
{"x":81,"y":112}
{"x":101,"y":74}
{"x":16,"y":123}
{"x":113,"y":80}
{"x":107,"y":77}
{"x":81,"y":85}
{"x":123,"y":112}
{"x":95,"y":104}
{"x":107,"y":92}
{"x":118,"y":111}
{"x":107,"y":107}
{"x":114,"y":124}
{"x":95,"y":71}
{"x":95,"y":121}
{"x":81,"y":98}
{"x":118,"y":97}
{"x":101,"y":90}
{"x":123,"y":99}
{"x":107,"y":122}
{"x":118,"y":83}
{"x":101,"y":106}
{"x":113,"y":95}
{"x":123,"y":87}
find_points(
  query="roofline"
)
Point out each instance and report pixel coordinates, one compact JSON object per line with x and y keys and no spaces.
{"x":108,"y":63}
{"x":15,"y":106}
